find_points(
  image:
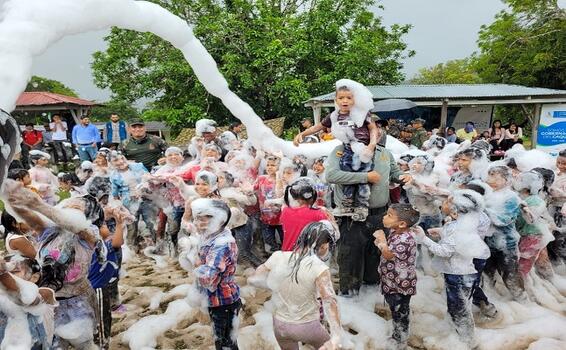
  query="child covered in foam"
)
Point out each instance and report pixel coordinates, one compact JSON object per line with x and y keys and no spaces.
{"x":398,"y":267}
{"x":350,"y":123}
{"x":215,"y":268}
{"x":42,"y":178}
{"x":459,"y":244}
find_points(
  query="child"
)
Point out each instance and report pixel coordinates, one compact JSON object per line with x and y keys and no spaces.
{"x":216,"y":267}
{"x":321,"y":186}
{"x":459,"y":244}
{"x":42,"y":178}
{"x":503,"y":207}
{"x":301,"y":279}
{"x":300,"y":197}
{"x":535,"y":235}
{"x":351,"y":124}
{"x":15,"y":236}
{"x":270,"y":211}
{"x":22,"y":175}
{"x":398,"y":267}
{"x":421,"y":172}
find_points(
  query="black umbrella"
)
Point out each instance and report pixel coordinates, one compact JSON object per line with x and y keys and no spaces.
{"x":392,"y":104}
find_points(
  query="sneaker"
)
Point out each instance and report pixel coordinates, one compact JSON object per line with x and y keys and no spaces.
{"x":487,"y":309}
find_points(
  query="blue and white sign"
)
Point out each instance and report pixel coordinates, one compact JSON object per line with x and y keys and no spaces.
{"x":551,"y":134}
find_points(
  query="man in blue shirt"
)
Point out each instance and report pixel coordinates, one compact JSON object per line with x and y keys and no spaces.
{"x":85,"y":137}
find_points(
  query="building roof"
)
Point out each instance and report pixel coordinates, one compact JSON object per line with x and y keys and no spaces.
{"x":41,"y":98}
{"x":451,"y":91}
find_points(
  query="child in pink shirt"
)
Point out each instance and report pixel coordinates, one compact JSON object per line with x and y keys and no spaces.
{"x":299,"y":212}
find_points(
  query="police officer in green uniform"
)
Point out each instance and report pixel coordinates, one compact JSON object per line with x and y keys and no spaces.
{"x":142,"y":147}
{"x":419,"y":135}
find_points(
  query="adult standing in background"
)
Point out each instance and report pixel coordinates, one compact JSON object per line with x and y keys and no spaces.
{"x":236,"y":129}
{"x":85,"y":137}
{"x":58,"y":136}
{"x":141,"y":147}
{"x":115,"y":131}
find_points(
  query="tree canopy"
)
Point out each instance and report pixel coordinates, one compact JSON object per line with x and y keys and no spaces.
{"x":103,"y":111}
{"x":525,"y":45}
{"x":274,"y":54}
{"x":451,"y":72}
{"x":43,"y":84}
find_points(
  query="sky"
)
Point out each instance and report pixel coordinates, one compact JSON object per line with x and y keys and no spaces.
{"x":442,"y":30}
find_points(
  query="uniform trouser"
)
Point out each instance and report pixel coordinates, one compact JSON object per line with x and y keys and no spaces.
{"x":358,"y":257}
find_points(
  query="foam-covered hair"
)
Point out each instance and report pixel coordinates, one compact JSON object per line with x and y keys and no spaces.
{"x":36,"y":155}
{"x":425,"y":160}
{"x":210,"y":178}
{"x":205,"y":125}
{"x":467,"y":201}
{"x":529,"y":180}
{"x":173,"y":150}
{"x":363,"y":99}
{"x":216,"y":209}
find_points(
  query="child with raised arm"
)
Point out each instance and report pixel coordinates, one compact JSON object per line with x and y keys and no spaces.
{"x":397,"y":268}
{"x":350,"y":123}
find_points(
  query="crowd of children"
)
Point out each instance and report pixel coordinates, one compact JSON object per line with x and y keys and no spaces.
{"x":474,"y":218}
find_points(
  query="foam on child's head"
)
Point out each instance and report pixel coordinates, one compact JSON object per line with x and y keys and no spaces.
{"x":406,"y":213}
{"x":363,"y":99}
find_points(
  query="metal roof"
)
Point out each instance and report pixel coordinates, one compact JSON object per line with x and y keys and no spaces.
{"x":450,"y":91}
{"x":48,"y":98}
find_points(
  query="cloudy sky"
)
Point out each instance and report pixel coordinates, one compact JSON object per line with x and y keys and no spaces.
{"x":442,"y":30}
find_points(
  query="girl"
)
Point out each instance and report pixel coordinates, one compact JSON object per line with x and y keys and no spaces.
{"x":300,"y":197}
{"x":421,"y":172}
{"x":535,"y":235}
{"x":322,"y":188}
{"x":15,"y":236}
{"x":297,"y":278}
{"x":65,"y":251}
{"x":496,"y":135}
{"x":513,"y":135}
{"x":459,"y":244}
{"x":42,"y":178}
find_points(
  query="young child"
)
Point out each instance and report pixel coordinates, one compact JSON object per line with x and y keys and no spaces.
{"x":420,"y":169}
{"x":351,"y":124}
{"x":503,"y":207}
{"x":321,"y":186}
{"x":270,"y":212}
{"x":216,"y":267}
{"x":534,"y":235}
{"x":22,"y":175}
{"x":459,"y":244}
{"x":42,"y":178}
{"x":397,"y":267}
{"x":16,"y":241}
{"x":300,"y":197}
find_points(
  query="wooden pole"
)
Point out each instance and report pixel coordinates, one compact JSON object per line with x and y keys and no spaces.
{"x":316,"y":109}
{"x":443,"y":115}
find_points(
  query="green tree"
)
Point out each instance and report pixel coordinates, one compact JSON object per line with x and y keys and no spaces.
{"x":451,"y":72}
{"x":124,"y":109}
{"x":525,"y":45}
{"x":43,"y":84}
{"x":275,"y":55}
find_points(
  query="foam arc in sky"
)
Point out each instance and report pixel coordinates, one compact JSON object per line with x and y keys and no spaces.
{"x":28,"y":28}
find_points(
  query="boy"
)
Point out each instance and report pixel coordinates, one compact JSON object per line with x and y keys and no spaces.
{"x":503,"y":206}
{"x":354,"y":134}
{"x":270,"y":212}
{"x":397,"y":267}
{"x":216,"y":266}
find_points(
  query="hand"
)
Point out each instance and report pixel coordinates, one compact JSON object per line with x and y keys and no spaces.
{"x":162,"y":161}
{"x":177,"y":181}
{"x":406,"y":179}
{"x":298,"y":139}
{"x":434,"y":232}
{"x":373,"y":177}
{"x":380,"y":236}
{"x":94,"y":144}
